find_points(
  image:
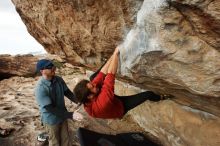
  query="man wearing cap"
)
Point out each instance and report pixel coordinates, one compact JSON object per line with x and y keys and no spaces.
{"x":50,"y":91}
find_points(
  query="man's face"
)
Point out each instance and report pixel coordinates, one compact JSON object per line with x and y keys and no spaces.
{"x":48,"y":72}
{"x":92,"y":88}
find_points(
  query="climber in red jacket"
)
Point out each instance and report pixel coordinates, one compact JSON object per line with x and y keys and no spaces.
{"x":98,"y":96}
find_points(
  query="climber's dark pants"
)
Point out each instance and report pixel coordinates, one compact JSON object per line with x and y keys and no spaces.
{"x":132,"y":101}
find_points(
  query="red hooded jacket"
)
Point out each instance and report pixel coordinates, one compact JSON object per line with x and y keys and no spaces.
{"x":105,"y":105}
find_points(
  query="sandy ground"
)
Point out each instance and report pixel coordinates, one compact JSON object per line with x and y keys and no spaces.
{"x":19,"y":114}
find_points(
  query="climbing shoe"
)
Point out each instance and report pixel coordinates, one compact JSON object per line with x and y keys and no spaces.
{"x":166,"y":96}
{"x":42,"y":137}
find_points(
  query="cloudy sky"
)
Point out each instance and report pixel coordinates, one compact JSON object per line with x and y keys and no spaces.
{"x":14,"y":38}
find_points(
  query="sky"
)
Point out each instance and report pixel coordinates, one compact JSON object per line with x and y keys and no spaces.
{"x":14,"y":37}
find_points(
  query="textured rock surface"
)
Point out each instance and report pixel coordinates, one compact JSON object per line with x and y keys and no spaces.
{"x":173,"y":46}
{"x":174,"y":54}
{"x":176,"y":51}
{"x":175,"y":125}
{"x":81,"y":31}
{"x":17,"y":65}
{"x":179,"y":125}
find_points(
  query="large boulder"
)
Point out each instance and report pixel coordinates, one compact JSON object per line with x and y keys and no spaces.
{"x":172,"y":123}
{"x":173,"y":47}
{"x":82,"y":31}
{"x":166,"y":46}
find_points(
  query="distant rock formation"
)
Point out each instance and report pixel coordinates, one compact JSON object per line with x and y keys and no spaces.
{"x":20,"y":65}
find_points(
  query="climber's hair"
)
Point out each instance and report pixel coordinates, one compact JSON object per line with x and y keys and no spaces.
{"x":81,"y":91}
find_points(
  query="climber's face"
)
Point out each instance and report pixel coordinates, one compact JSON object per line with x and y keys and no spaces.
{"x":93,"y":88}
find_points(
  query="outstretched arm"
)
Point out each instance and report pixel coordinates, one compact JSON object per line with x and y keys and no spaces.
{"x":69,"y":94}
{"x":106,"y":66}
{"x":113,"y":66}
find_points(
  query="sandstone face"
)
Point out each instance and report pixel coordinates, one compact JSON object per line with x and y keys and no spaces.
{"x":173,"y":47}
{"x":176,"y":53}
{"x":175,"y":125}
{"x":166,"y":46}
{"x":204,"y":18}
{"x":17,"y":65}
{"x":82,"y":31}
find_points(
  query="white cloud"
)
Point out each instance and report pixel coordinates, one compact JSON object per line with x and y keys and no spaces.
{"x":13,"y":33}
